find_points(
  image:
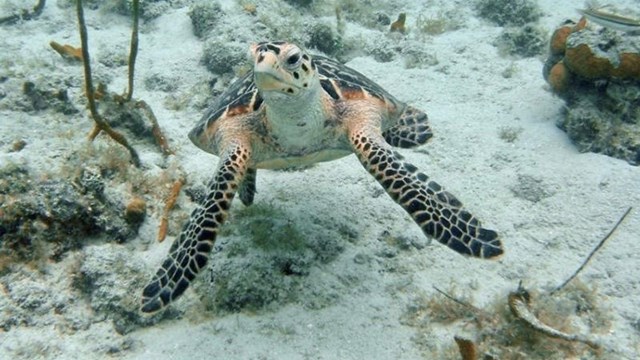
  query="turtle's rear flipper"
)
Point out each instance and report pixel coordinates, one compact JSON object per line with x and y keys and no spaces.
{"x":190,"y":251}
{"x":411,"y":130}
{"x":436,"y":211}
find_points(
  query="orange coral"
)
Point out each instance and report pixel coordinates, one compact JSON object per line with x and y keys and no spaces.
{"x":559,"y":39}
{"x":67,"y":51}
{"x":398,"y":25}
{"x":582,"y":23}
{"x":583,"y":62}
{"x":629,"y":67}
{"x":559,"y":77}
{"x":171,"y":201}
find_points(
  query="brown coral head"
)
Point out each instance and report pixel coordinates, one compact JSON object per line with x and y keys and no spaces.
{"x":559,"y":78}
{"x":582,"y":23}
{"x":136,"y":210}
{"x":629,"y":67}
{"x":398,"y":25}
{"x":559,"y":39}
{"x":583,"y":62}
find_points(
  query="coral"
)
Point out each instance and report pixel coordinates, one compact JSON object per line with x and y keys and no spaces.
{"x":559,"y":78}
{"x":67,"y":51}
{"x":509,"y":12}
{"x":169,"y":204}
{"x":383,"y":19}
{"x":525,"y":41}
{"x":39,"y":99}
{"x":597,"y":73}
{"x":558,"y":42}
{"x":399,"y":24}
{"x":602,"y":129}
{"x":135,"y":211}
{"x":324,"y":38}
{"x":220,"y":57}
{"x":45,"y":219}
{"x":601,"y":55}
{"x":24,"y":14}
{"x":204,"y":17}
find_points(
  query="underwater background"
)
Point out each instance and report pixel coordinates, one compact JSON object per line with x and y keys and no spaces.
{"x":536,"y":118}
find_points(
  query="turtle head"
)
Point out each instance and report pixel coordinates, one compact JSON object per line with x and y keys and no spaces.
{"x":282,"y":67}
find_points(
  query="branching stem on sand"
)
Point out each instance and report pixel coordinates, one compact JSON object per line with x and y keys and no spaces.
{"x":101,"y":124}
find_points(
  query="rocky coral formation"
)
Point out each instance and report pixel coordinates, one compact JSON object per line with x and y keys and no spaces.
{"x":597,"y":73}
{"x":509,"y":12}
{"x":525,"y":41}
{"x":45,"y":219}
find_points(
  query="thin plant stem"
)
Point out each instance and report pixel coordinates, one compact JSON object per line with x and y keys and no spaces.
{"x":89,"y":91}
{"x":133,"y":53}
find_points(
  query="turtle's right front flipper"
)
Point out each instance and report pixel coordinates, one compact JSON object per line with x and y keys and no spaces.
{"x":190,"y":251}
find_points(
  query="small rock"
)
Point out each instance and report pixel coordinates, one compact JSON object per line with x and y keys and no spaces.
{"x":136,"y":210}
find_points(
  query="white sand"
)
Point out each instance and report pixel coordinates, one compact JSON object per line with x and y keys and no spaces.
{"x":468,"y":101}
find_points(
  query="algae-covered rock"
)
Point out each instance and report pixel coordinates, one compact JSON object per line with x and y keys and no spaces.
{"x":41,"y":97}
{"x":509,"y":12}
{"x":204,"y":17}
{"x":525,"y":41}
{"x":604,"y":129}
{"x":220,"y":57}
{"x":597,"y":73}
{"x":44,"y":219}
{"x":324,"y":38}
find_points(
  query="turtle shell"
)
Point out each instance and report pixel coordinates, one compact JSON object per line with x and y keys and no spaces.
{"x":242,"y":97}
{"x":343,"y":83}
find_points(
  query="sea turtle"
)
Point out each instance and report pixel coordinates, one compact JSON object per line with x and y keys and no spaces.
{"x":294,"y":109}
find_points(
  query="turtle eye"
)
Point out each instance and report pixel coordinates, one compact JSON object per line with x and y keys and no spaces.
{"x":293,"y":59}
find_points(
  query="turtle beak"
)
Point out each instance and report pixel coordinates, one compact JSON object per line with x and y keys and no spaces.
{"x":265,"y":73}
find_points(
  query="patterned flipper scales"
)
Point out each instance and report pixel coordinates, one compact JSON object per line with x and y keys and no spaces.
{"x":439,"y":214}
{"x":411,"y":130}
{"x":189,"y":253}
{"x":247,"y":189}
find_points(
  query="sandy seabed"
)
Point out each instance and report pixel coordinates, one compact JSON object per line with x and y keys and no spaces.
{"x":551,"y":203}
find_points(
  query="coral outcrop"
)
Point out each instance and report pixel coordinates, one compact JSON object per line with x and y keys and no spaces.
{"x":597,"y":72}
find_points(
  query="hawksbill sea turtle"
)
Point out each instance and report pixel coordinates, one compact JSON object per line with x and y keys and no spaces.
{"x":295,"y":109}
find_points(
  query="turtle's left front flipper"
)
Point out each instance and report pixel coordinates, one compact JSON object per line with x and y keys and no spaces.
{"x":439,"y":213}
{"x":190,"y":252}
